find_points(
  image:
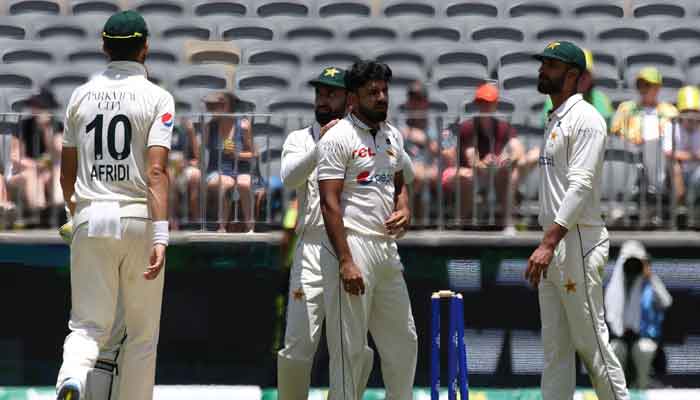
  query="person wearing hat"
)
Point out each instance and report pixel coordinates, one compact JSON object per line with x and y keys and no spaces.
{"x":682,"y":148}
{"x":566,"y":266}
{"x":635,"y":304}
{"x":487,"y":145}
{"x":118,"y":131}
{"x":647,"y":118}
{"x":586,"y":86}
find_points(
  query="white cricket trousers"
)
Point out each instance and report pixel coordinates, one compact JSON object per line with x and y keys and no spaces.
{"x":106,"y":281}
{"x":573,"y":320}
{"x":384,"y":310}
{"x":305,"y":314}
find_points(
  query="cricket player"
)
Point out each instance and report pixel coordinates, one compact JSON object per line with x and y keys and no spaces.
{"x":113,"y":175}
{"x":364,"y":204}
{"x":568,"y":264}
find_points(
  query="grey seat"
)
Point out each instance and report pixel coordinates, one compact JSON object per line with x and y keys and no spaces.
{"x":512,"y":77}
{"x":168,"y":27}
{"x":222,"y":8}
{"x":260,"y":77}
{"x":89,"y":53}
{"x":95,"y":7}
{"x":14,"y":28}
{"x":13,"y":100}
{"x":533,"y":8}
{"x":469,"y":9}
{"x":194,"y":98}
{"x":20,"y":76}
{"x":408,"y":8}
{"x":403,"y":75}
{"x":373,"y":30}
{"x":277,"y":53}
{"x":646,"y":55}
{"x":276,"y":8}
{"x":608,"y":55}
{"x":212,"y":76}
{"x":151,"y":8}
{"x":497,"y":33}
{"x":339,"y":53}
{"x":402,"y":54}
{"x":301,"y":31}
{"x":693,"y":74}
{"x":67,"y":76}
{"x":596,"y":9}
{"x":21,"y":51}
{"x":459,"y":77}
{"x":292,"y":103}
{"x":620,"y":175}
{"x":343,"y":8}
{"x":684,"y":34}
{"x":622,"y":33}
{"x":258,"y":99}
{"x":60,"y":27}
{"x":433,"y":33}
{"x":248,"y":30}
{"x":34,"y":7}
{"x":164,"y":52}
{"x":606,"y":76}
{"x":658,"y":8}
{"x":561,"y":30}
{"x":515,"y":54}
{"x":460,"y":54}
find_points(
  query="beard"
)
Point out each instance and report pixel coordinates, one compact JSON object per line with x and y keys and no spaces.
{"x":373,"y":115}
{"x":324,"y":117}
{"x":550,"y":86}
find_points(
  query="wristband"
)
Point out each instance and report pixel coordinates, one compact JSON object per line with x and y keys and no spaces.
{"x":161,"y":232}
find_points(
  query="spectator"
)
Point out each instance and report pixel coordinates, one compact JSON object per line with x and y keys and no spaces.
{"x":684,"y":150}
{"x":586,"y":86}
{"x":419,"y":142}
{"x":41,"y":136}
{"x":635,"y":303}
{"x":188,"y":174}
{"x":487,"y":145}
{"x":645,"y":119}
{"x":20,"y":174}
{"x":7,"y":143}
{"x":230,"y":161}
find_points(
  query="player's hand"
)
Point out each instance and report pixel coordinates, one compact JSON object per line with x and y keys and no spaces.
{"x":397,"y":222}
{"x":538,"y":263}
{"x":328,"y":126}
{"x":157,"y":261}
{"x":351,"y":276}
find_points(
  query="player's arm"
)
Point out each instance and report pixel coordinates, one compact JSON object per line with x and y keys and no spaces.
{"x":248,"y":151}
{"x":298,"y":162}
{"x":333,"y":157}
{"x":69,"y":173}
{"x":398,"y":221}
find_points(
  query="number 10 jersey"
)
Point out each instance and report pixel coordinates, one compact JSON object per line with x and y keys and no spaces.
{"x":112,"y":120}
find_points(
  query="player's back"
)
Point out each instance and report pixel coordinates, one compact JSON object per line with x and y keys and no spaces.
{"x":112,"y":120}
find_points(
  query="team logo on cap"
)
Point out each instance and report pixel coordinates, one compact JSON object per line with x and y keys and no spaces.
{"x":553,"y":45}
{"x":167,"y":120}
{"x":330,"y":72}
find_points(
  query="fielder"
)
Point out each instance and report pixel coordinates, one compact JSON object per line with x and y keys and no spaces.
{"x":113,"y":175}
{"x":568,"y":264}
{"x":364,"y":204}
{"x":306,"y":310}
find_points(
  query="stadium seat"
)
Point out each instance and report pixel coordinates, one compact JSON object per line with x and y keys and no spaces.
{"x":212,"y":76}
{"x":470,"y":8}
{"x":261,"y":77}
{"x":516,"y":76}
{"x":223,"y":8}
{"x":59,"y":27}
{"x":164,"y":51}
{"x":193,"y":98}
{"x":433,"y":32}
{"x":605,"y":55}
{"x":597,"y":9}
{"x":622,"y":33}
{"x":19,"y":75}
{"x":657,"y":8}
{"x":377,"y":30}
{"x":344,"y":8}
{"x":248,"y":30}
{"x":17,"y":51}
{"x":459,"y":77}
{"x":302,"y":31}
{"x":648,"y":55}
{"x":693,"y":73}
{"x":210,"y":51}
{"x":512,"y":54}
{"x":258,"y":98}
{"x":620,"y":176}
{"x":68,"y":76}
{"x":403,"y":54}
{"x":151,"y":8}
{"x":34,"y":7}
{"x":533,"y":8}
{"x":292,"y":103}
{"x":13,"y":100}
{"x":565,"y":30}
{"x":506,"y":32}
{"x":682,"y":34}
{"x":14,"y":28}
{"x":339,"y":53}
{"x":460,"y":54}
{"x":606,"y":76}
{"x":90,"y":53}
{"x":277,"y":8}
{"x":525,"y":100}
{"x":403,"y":75}
{"x":408,"y":8}
{"x":278,"y":53}
{"x":673,"y":77}
{"x":167,"y":27}
{"x":95,"y":7}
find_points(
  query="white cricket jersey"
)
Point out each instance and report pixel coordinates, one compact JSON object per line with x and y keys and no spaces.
{"x":571,"y":165}
{"x":298,"y":171}
{"x":112,"y":120}
{"x":367,"y":164}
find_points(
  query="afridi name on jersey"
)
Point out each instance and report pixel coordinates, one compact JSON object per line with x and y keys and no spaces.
{"x":110,"y":172}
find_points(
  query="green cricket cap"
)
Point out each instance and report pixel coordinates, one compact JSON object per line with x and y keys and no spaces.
{"x":125,"y":25}
{"x":565,"y":52}
{"x":331,"y":76}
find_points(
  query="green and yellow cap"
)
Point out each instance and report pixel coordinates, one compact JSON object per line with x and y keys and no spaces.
{"x":331,"y":76}
{"x":688,"y":99}
{"x":651,"y":75}
{"x":564,"y":51}
{"x":125,"y":25}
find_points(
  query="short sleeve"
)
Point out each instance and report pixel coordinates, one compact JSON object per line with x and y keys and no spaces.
{"x":333,"y":156}
{"x":161,"y":131}
{"x":70,"y":136}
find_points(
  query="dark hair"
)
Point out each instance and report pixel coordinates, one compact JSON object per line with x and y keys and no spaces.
{"x":364,"y":71}
{"x":124,"y":49}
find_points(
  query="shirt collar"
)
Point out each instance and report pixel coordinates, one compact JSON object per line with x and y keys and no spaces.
{"x":127,"y":68}
{"x":361,"y":125}
{"x":566,"y":105}
{"x":316,"y":130}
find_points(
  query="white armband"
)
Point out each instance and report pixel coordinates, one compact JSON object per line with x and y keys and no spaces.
{"x":161,"y":232}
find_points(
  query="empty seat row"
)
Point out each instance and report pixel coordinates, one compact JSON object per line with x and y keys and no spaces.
{"x":642,"y":9}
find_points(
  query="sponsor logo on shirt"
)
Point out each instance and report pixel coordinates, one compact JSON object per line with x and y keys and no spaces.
{"x":363,"y":152}
{"x":167,"y":120}
{"x":365,"y":178}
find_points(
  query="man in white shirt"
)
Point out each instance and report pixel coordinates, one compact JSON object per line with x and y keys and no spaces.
{"x":364,"y":204}
{"x":305,"y":309}
{"x":567,"y":265}
{"x":114,"y":179}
